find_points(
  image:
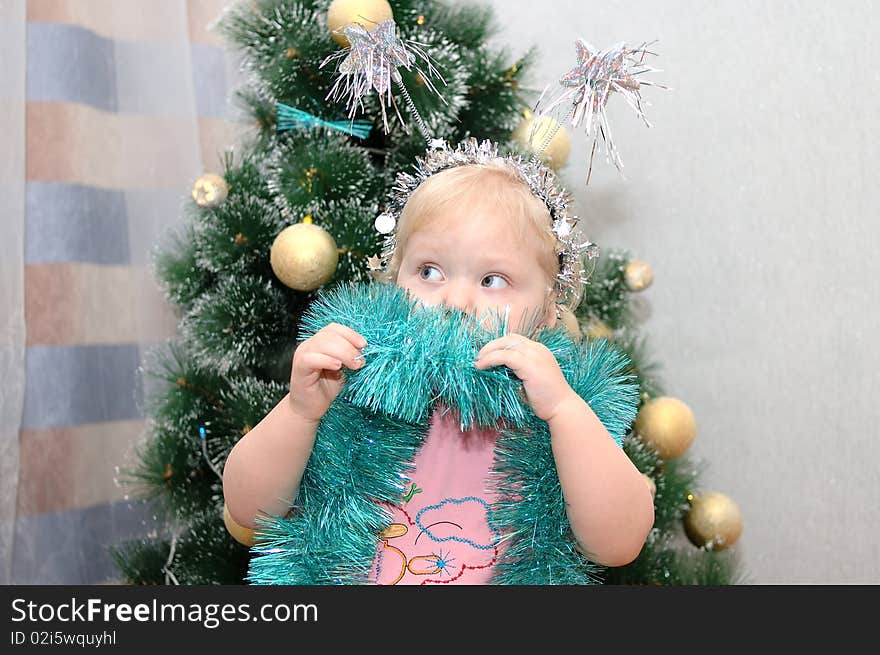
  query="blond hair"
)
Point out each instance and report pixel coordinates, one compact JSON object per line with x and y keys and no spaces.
{"x":494,"y":185}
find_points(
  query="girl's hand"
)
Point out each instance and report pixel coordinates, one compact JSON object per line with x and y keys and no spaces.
{"x":316,"y":376}
{"x":544,"y":384}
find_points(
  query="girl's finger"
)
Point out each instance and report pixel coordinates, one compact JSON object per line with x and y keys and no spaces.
{"x":350,"y":335}
{"x":513,"y":359}
{"x":340,"y":348}
{"x":313,"y":363}
{"x":508,"y":342}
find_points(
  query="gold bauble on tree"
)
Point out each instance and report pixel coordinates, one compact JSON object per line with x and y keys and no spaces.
{"x":652,"y":486}
{"x":345,"y":12}
{"x":637,"y":275}
{"x":241,"y":534}
{"x":556,"y":153}
{"x":598,"y":329}
{"x":713,"y":521}
{"x":667,"y":425}
{"x":569,"y":320}
{"x":304,"y":256}
{"x":210,"y":190}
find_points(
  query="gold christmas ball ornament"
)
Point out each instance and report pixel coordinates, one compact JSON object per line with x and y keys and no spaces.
{"x":210,"y":190}
{"x":651,"y":484}
{"x":667,"y":425}
{"x":345,"y":12}
{"x":637,"y":275}
{"x":304,"y":256}
{"x":597,"y":329}
{"x":569,"y":320}
{"x":242,"y":535}
{"x":556,"y":153}
{"x":713,"y":521}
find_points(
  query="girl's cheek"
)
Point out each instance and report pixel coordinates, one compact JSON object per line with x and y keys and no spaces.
{"x":424,"y":299}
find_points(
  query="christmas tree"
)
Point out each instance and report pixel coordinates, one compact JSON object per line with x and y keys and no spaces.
{"x":293,"y":212}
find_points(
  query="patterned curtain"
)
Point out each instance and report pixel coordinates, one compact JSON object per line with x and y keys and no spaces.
{"x":111,"y":109}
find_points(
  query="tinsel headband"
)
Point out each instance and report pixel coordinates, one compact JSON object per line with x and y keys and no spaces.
{"x":539,"y":178}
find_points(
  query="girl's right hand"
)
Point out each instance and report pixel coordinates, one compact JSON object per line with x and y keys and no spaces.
{"x":316,"y":376}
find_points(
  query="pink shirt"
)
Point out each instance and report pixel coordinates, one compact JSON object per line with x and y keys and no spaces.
{"x":440,"y":532}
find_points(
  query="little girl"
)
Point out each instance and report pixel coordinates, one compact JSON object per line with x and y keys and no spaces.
{"x":473,"y":237}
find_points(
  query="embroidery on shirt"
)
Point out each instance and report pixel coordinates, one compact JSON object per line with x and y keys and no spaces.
{"x":431,"y":509}
{"x":413,"y":490}
{"x":433,"y":524}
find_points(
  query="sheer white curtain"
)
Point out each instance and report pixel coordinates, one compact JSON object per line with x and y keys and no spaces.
{"x":109,"y":110}
{"x":12,"y":174}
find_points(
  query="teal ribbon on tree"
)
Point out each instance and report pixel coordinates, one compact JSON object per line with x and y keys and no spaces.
{"x":291,"y":117}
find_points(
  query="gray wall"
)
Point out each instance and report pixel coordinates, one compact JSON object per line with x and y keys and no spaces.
{"x":753,"y":196}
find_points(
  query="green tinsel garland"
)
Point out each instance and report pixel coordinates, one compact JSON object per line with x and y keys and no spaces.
{"x":416,"y":359}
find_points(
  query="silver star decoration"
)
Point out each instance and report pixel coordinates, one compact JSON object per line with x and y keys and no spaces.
{"x":584,"y":91}
{"x":371,"y":63}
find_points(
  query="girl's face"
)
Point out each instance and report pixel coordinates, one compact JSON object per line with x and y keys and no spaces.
{"x":476,"y":263}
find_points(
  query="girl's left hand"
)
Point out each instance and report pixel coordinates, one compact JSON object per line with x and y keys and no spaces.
{"x":543,"y":382}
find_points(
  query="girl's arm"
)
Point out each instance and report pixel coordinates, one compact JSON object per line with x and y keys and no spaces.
{"x":609,"y":505}
{"x":264,"y":469}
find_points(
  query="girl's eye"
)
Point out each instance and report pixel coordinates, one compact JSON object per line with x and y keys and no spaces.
{"x":428,"y":272}
{"x":494,"y":282}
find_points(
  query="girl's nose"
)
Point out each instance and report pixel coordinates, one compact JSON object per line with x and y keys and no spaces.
{"x":458,"y":295}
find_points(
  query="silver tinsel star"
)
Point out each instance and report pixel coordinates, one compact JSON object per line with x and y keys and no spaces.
{"x":371,"y":63}
{"x":584,"y":91}
{"x":374,"y":263}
